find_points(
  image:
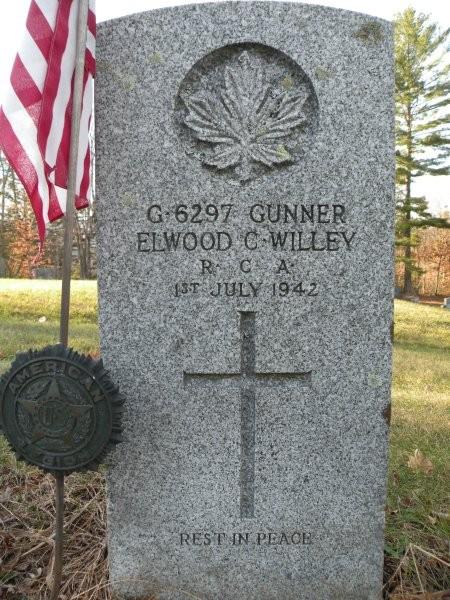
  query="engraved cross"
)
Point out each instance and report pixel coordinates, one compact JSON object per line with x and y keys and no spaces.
{"x":248,"y":379}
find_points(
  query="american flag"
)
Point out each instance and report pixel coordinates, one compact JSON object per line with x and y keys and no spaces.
{"x":35,"y":117}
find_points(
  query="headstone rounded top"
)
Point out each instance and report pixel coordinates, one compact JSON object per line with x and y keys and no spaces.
{"x":240,"y":6}
{"x":59,"y":410}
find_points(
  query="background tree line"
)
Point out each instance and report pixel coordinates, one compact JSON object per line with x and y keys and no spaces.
{"x":422,"y":98}
{"x":19,"y":240}
{"x":422,"y":86}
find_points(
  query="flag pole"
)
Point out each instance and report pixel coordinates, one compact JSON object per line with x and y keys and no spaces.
{"x":80,"y":55}
{"x":83,"y":8}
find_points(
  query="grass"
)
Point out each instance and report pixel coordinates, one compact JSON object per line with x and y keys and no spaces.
{"x":418,"y":517}
{"x":417,"y":513}
{"x":23,"y":302}
{"x":26,"y":538}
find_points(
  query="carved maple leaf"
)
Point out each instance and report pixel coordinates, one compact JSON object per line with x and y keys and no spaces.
{"x":247,"y":120}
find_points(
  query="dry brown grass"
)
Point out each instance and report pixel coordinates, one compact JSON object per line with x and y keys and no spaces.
{"x":425,"y":596}
{"x":26,"y":536}
{"x":418,"y":571}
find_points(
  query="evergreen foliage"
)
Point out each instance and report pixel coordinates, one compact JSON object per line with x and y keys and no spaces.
{"x":422,"y":70}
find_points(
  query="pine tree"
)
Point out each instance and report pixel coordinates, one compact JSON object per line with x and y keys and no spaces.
{"x":422,"y":69}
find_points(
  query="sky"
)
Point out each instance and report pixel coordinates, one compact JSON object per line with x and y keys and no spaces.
{"x":13,"y":15}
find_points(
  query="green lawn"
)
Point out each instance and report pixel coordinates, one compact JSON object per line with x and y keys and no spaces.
{"x":418,"y":499}
{"x":419,"y":502}
{"x":23,"y":302}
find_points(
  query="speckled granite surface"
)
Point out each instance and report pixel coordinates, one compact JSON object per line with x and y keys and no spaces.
{"x":245,"y":240}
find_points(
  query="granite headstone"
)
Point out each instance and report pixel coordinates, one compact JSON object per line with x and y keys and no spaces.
{"x":245,"y":236}
{"x":3,"y":267}
{"x":47,"y":272}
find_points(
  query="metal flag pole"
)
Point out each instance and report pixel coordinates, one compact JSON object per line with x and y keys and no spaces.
{"x":80,"y":54}
{"x":83,"y":8}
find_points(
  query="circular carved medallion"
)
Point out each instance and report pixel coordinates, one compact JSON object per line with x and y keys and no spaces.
{"x":245,"y":110}
{"x":59,"y":410}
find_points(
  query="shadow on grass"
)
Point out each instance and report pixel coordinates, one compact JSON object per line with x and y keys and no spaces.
{"x":20,"y":336}
{"x":420,"y":347}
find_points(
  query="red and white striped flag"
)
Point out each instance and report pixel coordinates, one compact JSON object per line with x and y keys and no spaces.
{"x":35,"y":118}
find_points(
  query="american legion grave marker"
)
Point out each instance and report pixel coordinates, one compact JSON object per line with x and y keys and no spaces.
{"x":245,"y":235}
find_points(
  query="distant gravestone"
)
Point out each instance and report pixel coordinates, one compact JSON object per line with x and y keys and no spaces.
{"x":245,"y":174}
{"x":3,"y":267}
{"x":446,"y":303}
{"x":46,"y":272}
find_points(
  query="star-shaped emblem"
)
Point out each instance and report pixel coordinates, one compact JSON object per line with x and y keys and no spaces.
{"x":52,"y":414}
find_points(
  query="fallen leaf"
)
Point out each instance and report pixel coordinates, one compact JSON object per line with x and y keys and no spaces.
{"x":419,"y":462}
{"x":35,"y":575}
{"x":407,"y":501}
{"x":441,"y":515}
{"x":5,"y":495}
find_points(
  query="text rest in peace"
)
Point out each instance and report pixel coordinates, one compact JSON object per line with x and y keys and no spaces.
{"x":297,"y":538}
